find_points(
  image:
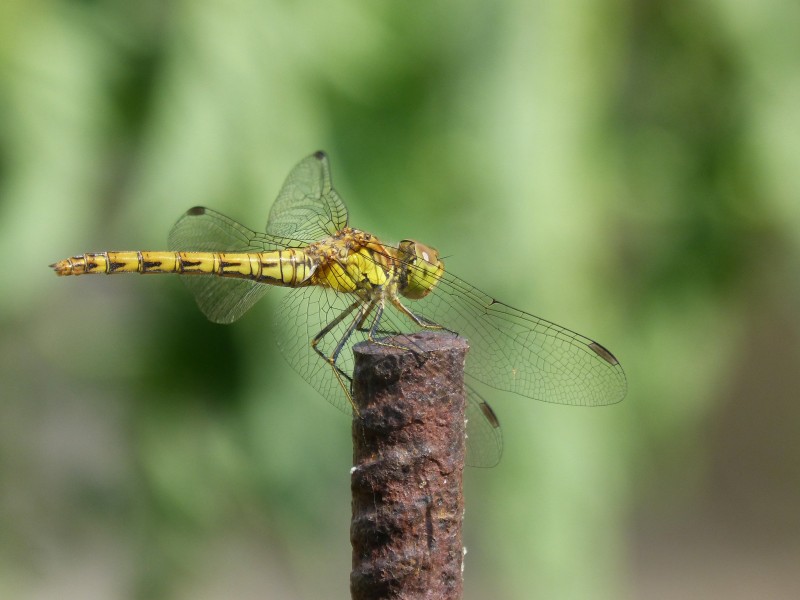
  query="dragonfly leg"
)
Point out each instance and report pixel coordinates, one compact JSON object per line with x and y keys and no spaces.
{"x":355,"y":326}
{"x":374,"y":329}
{"x":328,"y":328}
{"x":419,"y":319}
{"x":342,"y":376}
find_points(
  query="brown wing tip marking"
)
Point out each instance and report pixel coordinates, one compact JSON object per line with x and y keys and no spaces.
{"x":196,"y":211}
{"x":320,"y":155}
{"x":604,"y":353}
{"x":489,"y":414}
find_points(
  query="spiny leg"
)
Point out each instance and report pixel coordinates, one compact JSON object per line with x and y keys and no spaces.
{"x":329,"y":327}
{"x":341,"y":376}
{"x":374,"y":329}
{"x":421,"y":322}
{"x":364,"y":311}
{"x":418,"y":319}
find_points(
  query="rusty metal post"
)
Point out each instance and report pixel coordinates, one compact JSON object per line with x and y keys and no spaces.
{"x":408,"y":452}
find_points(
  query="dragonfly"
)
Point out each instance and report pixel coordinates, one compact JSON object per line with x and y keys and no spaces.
{"x":347,"y":286}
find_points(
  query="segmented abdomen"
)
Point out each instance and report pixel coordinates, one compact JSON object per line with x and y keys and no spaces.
{"x":290,"y":267}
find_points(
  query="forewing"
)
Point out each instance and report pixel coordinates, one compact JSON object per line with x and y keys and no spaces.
{"x":308,"y":208}
{"x":516,"y":351}
{"x":221,"y":299}
{"x":305,"y":312}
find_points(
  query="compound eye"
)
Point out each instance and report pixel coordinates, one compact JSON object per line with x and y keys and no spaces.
{"x":413,"y":252}
{"x":421,"y":268}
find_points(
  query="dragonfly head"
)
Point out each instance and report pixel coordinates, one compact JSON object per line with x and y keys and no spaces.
{"x":420,"y":269}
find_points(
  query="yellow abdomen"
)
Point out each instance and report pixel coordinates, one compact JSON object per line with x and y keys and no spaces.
{"x":291,"y":267}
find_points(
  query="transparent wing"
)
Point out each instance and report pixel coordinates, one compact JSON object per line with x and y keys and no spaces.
{"x":516,"y":351}
{"x":509,"y":349}
{"x":305,"y":312}
{"x":484,"y":439}
{"x":302,"y":314}
{"x":222,"y":300}
{"x":308,"y":208}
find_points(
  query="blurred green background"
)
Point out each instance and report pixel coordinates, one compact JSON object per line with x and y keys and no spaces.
{"x":626,"y":169}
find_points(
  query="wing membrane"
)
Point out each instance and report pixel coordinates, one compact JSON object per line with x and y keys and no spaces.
{"x":516,"y":351}
{"x":308,"y":208}
{"x":484,"y":439}
{"x":221,"y":299}
{"x":306,"y":311}
{"x":509,"y":349}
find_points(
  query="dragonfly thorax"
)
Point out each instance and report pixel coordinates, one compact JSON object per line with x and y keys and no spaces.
{"x":351,"y":261}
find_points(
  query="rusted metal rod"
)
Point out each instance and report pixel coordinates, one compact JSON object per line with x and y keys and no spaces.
{"x":408,"y":451}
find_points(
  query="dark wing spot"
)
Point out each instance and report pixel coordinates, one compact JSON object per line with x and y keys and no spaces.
{"x":196,"y":211}
{"x":489,"y":414}
{"x":320,"y":155}
{"x":604,"y":353}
